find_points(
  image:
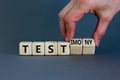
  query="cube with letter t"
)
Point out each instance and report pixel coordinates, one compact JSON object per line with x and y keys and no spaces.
{"x":25,"y":48}
{"x":63,"y":48}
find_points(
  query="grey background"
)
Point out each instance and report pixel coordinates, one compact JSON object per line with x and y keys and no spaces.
{"x":37,"y":20}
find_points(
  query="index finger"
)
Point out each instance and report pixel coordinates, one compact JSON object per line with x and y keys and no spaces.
{"x":62,"y":14}
{"x":74,"y":15}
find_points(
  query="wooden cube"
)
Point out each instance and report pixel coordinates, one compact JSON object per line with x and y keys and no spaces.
{"x":38,"y":48}
{"x":51,"y":48}
{"x":76,"y":46}
{"x":88,"y":46}
{"x":25,"y":48}
{"x":63,"y":48}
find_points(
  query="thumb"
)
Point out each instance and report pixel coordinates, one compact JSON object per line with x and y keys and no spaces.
{"x":100,"y":30}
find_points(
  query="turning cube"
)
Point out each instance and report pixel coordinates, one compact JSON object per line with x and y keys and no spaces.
{"x":76,"y":46}
{"x":88,"y":46}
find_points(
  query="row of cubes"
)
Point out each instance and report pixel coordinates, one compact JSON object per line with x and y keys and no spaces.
{"x":85,"y":46}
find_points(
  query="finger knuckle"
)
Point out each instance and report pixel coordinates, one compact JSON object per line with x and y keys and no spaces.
{"x":107,"y":18}
{"x":68,"y":19}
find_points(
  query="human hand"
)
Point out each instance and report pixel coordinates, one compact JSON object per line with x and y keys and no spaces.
{"x":76,"y":9}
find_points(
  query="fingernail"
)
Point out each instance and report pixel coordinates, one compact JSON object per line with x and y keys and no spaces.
{"x":66,"y":39}
{"x":97,"y":42}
